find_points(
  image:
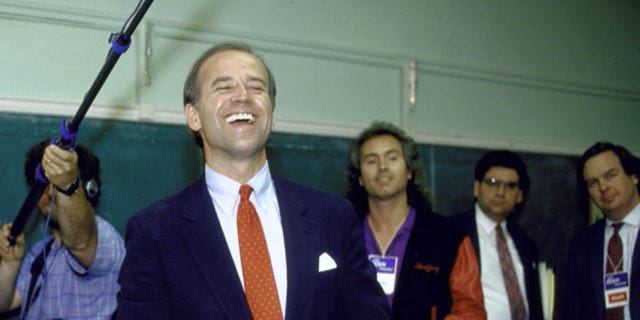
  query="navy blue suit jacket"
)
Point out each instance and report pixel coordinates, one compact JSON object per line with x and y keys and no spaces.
{"x":178,"y":265}
{"x":586,"y":275}
{"x":527,"y":250}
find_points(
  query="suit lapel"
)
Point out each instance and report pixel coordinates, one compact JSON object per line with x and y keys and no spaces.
{"x":527,"y":255}
{"x":597,"y":263}
{"x":202,"y":235}
{"x":473,"y":234}
{"x":521,"y":247}
{"x":634,"y":304}
{"x":300,"y":238}
{"x":418,"y":237}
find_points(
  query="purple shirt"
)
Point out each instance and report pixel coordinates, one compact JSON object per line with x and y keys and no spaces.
{"x":397,"y":245}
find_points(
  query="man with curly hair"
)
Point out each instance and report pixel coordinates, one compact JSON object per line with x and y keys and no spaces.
{"x":425,"y":266}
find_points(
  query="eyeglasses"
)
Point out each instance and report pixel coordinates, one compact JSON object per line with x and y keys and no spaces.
{"x":495,"y":183}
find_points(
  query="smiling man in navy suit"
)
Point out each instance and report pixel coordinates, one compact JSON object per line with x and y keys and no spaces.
{"x":186,"y":257}
{"x":602,"y":284}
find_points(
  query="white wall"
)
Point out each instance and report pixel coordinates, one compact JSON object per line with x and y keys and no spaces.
{"x":543,"y":76}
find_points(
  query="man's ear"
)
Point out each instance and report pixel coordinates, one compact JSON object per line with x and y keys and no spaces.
{"x":520,"y":197}
{"x":476,"y":188}
{"x":192,"y":117}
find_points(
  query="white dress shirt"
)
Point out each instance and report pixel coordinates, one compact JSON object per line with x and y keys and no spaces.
{"x":628,"y":234}
{"x":496,"y":301}
{"x":225,"y":194}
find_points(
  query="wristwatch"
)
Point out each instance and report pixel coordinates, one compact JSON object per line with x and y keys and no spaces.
{"x":72,"y":188}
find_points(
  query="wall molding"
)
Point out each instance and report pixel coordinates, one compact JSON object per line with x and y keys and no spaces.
{"x":104,"y":112}
{"x":95,"y":20}
{"x":525,"y":81}
{"x":56,"y":15}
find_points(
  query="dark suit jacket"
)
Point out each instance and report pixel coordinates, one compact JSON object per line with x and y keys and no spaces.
{"x":423,"y":289}
{"x":178,"y":265}
{"x":585,"y":287}
{"x":527,"y":250}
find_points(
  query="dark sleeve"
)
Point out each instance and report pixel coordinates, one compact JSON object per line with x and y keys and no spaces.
{"x":143,"y":293}
{"x":573,"y":287}
{"x":363,"y":296}
{"x":533,"y":286}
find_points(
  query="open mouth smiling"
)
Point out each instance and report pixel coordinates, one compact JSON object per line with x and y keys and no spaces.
{"x":248,"y":117}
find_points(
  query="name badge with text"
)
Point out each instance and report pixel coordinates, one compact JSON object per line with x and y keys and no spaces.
{"x":386,"y":268}
{"x":616,"y":289}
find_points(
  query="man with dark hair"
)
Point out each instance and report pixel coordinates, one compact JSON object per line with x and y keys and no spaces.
{"x":239,"y":243}
{"x":508,"y":258}
{"x":427,"y":268}
{"x":72,"y":273}
{"x":604,"y":260}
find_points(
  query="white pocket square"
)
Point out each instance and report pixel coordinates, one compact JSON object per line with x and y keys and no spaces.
{"x":326,"y":263}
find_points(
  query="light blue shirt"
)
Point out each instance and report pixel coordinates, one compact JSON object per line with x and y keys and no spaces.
{"x":225,"y":195}
{"x":69,"y":290}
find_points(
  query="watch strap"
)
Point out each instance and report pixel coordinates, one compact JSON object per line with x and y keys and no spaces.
{"x":72,"y":188}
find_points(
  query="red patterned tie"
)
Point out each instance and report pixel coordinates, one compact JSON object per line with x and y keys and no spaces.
{"x":259,"y":282}
{"x":516,"y":303}
{"x":614,"y":264}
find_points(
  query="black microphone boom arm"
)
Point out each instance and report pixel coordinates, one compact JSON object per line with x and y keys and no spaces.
{"x":119,"y":44}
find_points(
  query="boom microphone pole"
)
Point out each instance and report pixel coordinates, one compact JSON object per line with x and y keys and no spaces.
{"x":68,"y":131}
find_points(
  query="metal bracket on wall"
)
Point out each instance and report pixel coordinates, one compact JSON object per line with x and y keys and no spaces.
{"x":148,"y":27}
{"x":413,"y":77}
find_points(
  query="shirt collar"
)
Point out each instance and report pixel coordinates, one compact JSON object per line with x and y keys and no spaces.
{"x":409,"y":221}
{"x":486,"y":224}
{"x":633,"y":218}
{"x":225,"y":191}
{"x":398,"y":243}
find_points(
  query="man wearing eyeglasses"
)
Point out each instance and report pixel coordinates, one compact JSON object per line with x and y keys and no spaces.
{"x":506,"y":255}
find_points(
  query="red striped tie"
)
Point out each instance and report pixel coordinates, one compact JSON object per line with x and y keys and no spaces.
{"x":516,"y":303}
{"x":259,"y":282}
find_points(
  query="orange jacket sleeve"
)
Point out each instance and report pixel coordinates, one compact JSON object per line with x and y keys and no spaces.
{"x":464,"y":282}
